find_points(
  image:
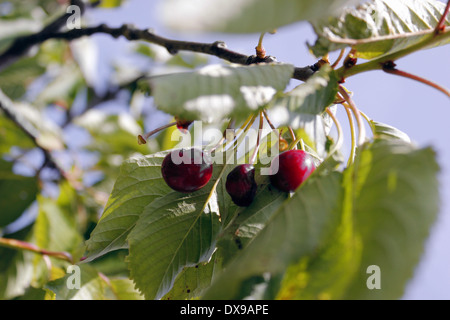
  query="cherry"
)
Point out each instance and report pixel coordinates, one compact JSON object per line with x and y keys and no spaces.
{"x":186,"y":170}
{"x":294,"y":166}
{"x":241,"y":185}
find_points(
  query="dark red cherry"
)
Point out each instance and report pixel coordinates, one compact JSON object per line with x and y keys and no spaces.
{"x":183,"y":125}
{"x":294,"y":166}
{"x":186,"y":170}
{"x":241,"y":185}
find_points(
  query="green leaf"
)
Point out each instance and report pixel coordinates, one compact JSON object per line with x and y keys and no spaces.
{"x":175,"y":231}
{"x":326,"y":274}
{"x":304,"y":106}
{"x":55,"y":228}
{"x":17,"y":193}
{"x":216,"y":92}
{"x":388,"y":209}
{"x":299,"y":227}
{"x":123,"y":289}
{"x":245,"y":223}
{"x":379,"y":27}
{"x":383,"y":211}
{"x":139,"y":183}
{"x":395,"y":203}
{"x":385,"y":131}
{"x":192,"y":281}
{"x":92,"y":286}
{"x":245,"y":16}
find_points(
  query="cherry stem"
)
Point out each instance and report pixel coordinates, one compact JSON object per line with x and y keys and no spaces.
{"x":280,"y":138}
{"x":357,"y":114}
{"x":369,"y":121}
{"x":258,"y":138}
{"x":295,"y":142}
{"x":440,"y":27}
{"x":294,"y":139}
{"x":339,"y":58}
{"x":22,"y":245}
{"x":270,"y":123}
{"x":340,"y":133}
{"x":143,"y":139}
{"x":268,"y":120}
{"x":351,"y":158}
{"x":260,"y":51}
{"x":241,"y":129}
{"x":390,"y":68}
{"x":224,"y":135}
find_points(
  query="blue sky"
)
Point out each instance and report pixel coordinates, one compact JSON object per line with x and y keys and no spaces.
{"x":420,"y":111}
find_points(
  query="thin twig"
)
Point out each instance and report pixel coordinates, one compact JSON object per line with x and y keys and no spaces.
{"x":22,"y":245}
{"x":339,"y":58}
{"x":268,"y":120}
{"x":143,"y":139}
{"x":7,"y":106}
{"x":351,"y":104}
{"x":390,"y":68}
{"x":294,"y":139}
{"x":260,"y":51}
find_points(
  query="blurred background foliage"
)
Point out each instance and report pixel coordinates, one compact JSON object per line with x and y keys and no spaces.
{"x":88,"y":133}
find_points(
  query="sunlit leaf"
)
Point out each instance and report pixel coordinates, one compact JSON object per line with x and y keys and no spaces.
{"x":239,"y":16}
{"x":396,"y":201}
{"x":379,"y":27}
{"x":139,"y":183}
{"x":216,"y":92}
{"x":297,"y":228}
{"x":382,"y":130}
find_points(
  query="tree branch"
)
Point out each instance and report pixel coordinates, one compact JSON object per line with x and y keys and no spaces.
{"x":218,"y":48}
{"x":7,"y":106}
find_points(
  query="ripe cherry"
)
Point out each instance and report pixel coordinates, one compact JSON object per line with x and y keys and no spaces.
{"x":186,"y":170}
{"x":241,"y":185}
{"x":294,"y":166}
